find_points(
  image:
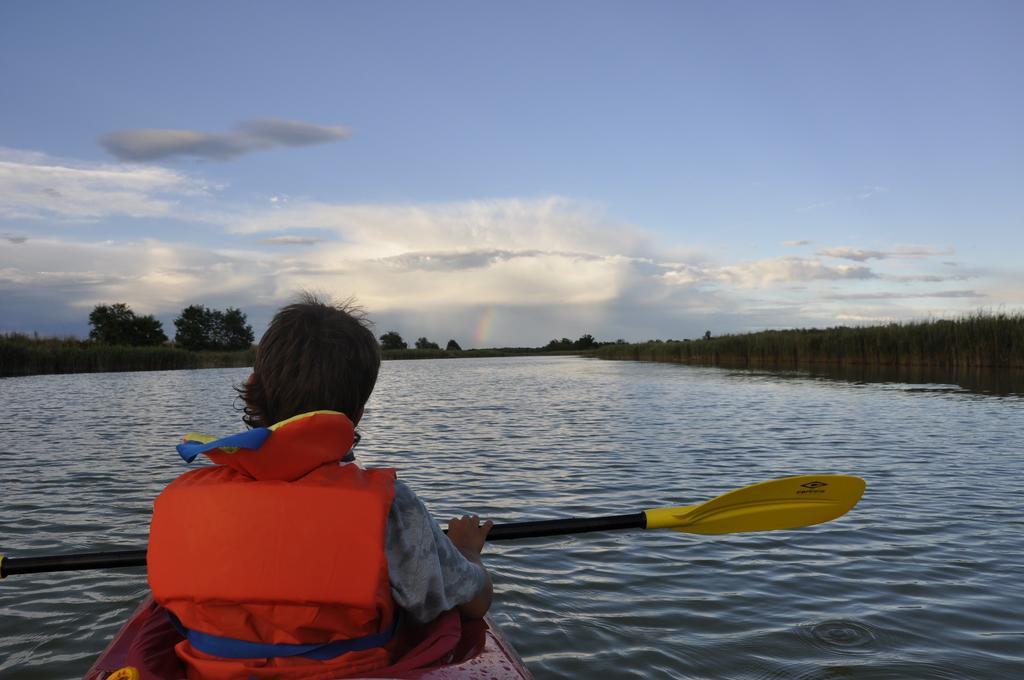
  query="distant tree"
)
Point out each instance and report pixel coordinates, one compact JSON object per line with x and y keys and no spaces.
{"x":392,"y":340}
{"x":117,"y":324}
{"x":201,"y":328}
{"x":556,"y":345}
{"x":453,"y":346}
{"x":196,"y":328}
{"x":707,"y":335}
{"x":585,"y":342}
{"x":111,"y":324}
{"x":236,"y":333}
{"x":423,"y":343}
{"x":148,"y":331}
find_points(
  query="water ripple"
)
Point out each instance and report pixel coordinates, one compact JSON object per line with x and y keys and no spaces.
{"x":922,"y":580}
{"x":842,"y":636}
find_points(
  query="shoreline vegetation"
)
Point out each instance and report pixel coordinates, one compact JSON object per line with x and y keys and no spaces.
{"x":22,"y":355}
{"x":981,"y":340}
{"x":389,"y":354}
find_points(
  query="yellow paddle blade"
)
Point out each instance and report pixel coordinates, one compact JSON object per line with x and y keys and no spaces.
{"x":787,"y":503}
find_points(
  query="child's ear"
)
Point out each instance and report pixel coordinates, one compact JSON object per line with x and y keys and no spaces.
{"x":252,"y":376}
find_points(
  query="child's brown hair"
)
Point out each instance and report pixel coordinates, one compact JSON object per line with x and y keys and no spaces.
{"x":314,"y":356}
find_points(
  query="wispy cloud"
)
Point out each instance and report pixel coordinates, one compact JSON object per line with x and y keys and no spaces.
{"x":868,"y":192}
{"x":927,"y":278}
{"x":254,"y":135}
{"x":790,"y":269}
{"x":796,"y":244}
{"x":895,"y":295}
{"x":900,"y":252}
{"x":38,"y":186}
{"x":291,"y":240}
{"x":779,"y":271}
{"x":472,"y":259}
{"x":863,"y":194}
{"x":811,"y":207}
{"x":14,"y":238}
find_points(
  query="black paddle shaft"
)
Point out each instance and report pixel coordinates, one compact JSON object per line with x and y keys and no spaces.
{"x":72,"y":562}
{"x":560,"y":527}
{"x":499,"y":532}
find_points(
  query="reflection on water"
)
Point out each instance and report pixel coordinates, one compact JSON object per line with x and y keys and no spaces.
{"x":921,"y":580}
{"x":991,"y":381}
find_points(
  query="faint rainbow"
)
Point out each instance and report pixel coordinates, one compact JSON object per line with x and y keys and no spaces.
{"x":484,"y":326}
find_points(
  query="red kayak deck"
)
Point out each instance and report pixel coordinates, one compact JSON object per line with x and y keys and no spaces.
{"x":480,"y":651}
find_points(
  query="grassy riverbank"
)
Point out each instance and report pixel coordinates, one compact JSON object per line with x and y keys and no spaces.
{"x":26,"y":355}
{"x":22,"y":354}
{"x":980,"y":340}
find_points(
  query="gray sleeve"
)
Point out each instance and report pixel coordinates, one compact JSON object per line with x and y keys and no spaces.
{"x":428,"y":574}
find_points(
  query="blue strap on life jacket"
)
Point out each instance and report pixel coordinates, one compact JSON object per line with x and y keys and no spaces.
{"x":250,"y":439}
{"x":233,"y":648}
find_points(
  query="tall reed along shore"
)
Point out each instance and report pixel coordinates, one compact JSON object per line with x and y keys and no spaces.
{"x":977,"y":341}
{"x":27,"y":355}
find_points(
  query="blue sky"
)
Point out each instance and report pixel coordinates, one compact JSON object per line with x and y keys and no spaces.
{"x":505,"y":174}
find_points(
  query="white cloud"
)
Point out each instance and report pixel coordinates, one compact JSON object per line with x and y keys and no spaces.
{"x":37,"y":186}
{"x":782,"y":270}
{"x":150,"y":275}
{"x":377,"y":230}
{"x":866,"y":318}
{"x":537,"y":293}
{"x":414,"y":282}
{"x":512,"y":252}
{"x":551,"y":266}
{"x":899,"y":252}
{"x":779,"y":271}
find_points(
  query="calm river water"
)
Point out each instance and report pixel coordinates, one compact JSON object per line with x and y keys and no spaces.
{"x":924,"y":579}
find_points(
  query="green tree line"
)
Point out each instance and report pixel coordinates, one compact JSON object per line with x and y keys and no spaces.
{"x":392,"y":340}
{"x":198,"y":328}
{"x":121,"y":340}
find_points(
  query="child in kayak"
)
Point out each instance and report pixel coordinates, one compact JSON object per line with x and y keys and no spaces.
{"x":286,"y":559}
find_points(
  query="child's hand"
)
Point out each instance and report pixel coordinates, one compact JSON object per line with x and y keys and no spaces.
{"x":468,"y":534}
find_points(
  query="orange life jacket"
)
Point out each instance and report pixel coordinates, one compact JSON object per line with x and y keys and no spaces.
{"x":278,"y":544}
